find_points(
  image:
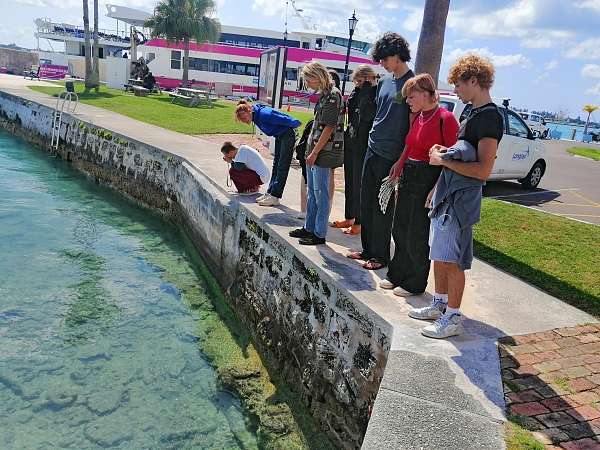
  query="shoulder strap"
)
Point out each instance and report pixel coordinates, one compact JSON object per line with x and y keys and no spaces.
{"x":442,"y":129}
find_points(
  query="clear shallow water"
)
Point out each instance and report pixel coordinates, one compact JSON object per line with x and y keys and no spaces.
{"x":567,"y":130}
{"x":98,"y":346}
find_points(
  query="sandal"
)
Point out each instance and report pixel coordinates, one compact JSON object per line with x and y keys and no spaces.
{"x":341,"y":223}
{"x":374,"y":264}
{"x":354,"y":229}
{"x":356,"y":255}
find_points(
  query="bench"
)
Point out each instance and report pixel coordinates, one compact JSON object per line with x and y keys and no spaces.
{"x":175,"y":96}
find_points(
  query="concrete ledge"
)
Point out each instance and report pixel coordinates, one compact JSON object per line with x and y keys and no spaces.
{"x":336,"y":338}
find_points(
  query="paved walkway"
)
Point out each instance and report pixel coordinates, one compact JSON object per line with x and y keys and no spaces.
{"x":434,"y":394}
{"x":552,"y":383}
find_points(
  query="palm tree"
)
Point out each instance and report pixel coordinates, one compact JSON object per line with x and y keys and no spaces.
{"x":431,"y":40}
{"x":96,"y":63}
{"x":589,"y":109}
{"x":87,"y":47}
{"x":183,"y":20}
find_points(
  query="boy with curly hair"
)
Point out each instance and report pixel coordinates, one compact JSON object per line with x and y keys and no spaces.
{"x":456,"y":203}
{"x":385,"y":145}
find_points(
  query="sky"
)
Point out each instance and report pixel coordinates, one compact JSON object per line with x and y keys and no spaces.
{"x":546,"y":52}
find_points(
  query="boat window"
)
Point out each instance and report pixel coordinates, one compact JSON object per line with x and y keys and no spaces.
{"x":176,"y":59}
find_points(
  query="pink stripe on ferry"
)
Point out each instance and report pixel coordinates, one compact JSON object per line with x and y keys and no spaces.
{"x":294,"y":54}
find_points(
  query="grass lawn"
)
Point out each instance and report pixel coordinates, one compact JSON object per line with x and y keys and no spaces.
{"x":558,"y":255}
{"x":158,"y":110}
{"x":518,"y":438}
{"x":587,"y":152}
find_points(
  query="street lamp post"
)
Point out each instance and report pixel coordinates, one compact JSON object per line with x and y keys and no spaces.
{"x":352,"y":21}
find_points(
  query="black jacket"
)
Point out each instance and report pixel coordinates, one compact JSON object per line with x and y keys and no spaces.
{"x":361,"y":113}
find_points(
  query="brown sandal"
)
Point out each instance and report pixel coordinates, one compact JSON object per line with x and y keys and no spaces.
{"x":341,"y":223}
{"x":356,"y":255}
{"x":373,"y":264}
{"x":354,"y":229}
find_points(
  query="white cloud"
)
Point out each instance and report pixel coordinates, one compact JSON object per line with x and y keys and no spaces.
{"x":147,"y":5}
{"x":413,"y":20}
{"x":270,"y":8}
{"x":589,"y":4}
{"x":499,"y":60}
{"x":333,"y":17}
{"x":588,"y":49}
{"x":591,"y":71}
{"x":520,"y":19}
{"x":594,"y":90}
{"x":550,"y":65}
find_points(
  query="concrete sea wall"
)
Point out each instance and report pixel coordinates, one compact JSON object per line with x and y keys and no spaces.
{"x":324,"y":343}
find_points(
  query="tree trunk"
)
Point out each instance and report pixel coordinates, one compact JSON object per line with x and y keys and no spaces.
{"x":431,"y":40}
{"x":186,"y":61}
{"x":587,"y":123}
{"x":96,"y":53}
{"x":87,"y":47}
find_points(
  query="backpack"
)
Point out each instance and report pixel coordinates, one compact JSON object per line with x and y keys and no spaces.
{"x":301,"y":144}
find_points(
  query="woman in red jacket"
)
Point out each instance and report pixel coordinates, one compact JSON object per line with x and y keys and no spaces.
{"x":409,"y":269}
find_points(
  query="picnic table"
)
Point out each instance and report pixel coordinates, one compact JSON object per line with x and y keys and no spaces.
{"x":192,"y":96}
{"x":133,"y":85}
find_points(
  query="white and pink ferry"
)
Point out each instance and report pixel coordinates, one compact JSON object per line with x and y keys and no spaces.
{"x":234,"y":60}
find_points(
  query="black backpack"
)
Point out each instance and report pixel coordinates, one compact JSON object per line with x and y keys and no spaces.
{"x":303,"y":141}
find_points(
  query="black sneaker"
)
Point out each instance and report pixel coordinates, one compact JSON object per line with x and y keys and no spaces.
{"x":312,"y":240}
{"x":300,"y":233}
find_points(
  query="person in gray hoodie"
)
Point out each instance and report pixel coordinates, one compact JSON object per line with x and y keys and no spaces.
{"x":456,"y":199}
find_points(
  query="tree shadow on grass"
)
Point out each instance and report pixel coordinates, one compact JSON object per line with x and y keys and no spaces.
{"x":586,"y":301}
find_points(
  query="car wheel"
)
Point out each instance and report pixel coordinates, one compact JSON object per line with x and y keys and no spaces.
{"x":534,"y":176}
{"x":545,"y":134}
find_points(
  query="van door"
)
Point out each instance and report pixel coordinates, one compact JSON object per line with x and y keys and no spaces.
{"x":516,"y":145}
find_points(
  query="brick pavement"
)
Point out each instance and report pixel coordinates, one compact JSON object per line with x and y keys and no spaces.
{"x":552,"y":383}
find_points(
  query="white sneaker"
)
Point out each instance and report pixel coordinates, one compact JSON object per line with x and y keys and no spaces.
{"x":301,"y":215}
{"x":432,"y":312}
{"x":269,"y":201}
{"x":445,"y":326}
{"x":402,"y":292}
{"x":386,"y":284}
{"x":262,"y":197}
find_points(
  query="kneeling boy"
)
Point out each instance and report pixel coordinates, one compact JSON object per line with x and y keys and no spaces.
{"x":248,"y":169}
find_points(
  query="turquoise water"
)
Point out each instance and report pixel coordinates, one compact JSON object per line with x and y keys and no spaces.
{"x":567,"y":130}
{"x":98,"y":346}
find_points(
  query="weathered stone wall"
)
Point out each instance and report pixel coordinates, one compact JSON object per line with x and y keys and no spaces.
{"x":323,"y":343}
{"x":17,"y":60}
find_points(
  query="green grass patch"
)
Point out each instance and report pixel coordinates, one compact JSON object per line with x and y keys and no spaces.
{"x":586,"y":152}
{"x":158,"y":110}
{"x":558,"y":255}
{"x":518,"y":438}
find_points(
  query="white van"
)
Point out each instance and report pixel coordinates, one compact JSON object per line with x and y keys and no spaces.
{"x":520,"y":155}
{"x":536,"y":123}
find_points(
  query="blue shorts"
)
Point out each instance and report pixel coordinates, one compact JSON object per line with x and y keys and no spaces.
{"x":448,"y":242}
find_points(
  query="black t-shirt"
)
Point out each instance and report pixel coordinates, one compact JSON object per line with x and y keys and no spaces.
{"x":483,"y":122}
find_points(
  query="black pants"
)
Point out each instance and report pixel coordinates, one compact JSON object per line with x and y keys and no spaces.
{"x":354,"y":158}
{"x":376,"y":226}
{"x":409,"y":268}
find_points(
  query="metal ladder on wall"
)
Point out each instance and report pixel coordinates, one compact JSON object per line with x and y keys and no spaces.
{"x":66,"y":101}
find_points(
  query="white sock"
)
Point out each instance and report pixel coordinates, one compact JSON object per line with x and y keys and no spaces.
{"x":450,"y":311}
{"x":442,"y":297}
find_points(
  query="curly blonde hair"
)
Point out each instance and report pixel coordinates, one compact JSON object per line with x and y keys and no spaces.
{"x":473,"y":66}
